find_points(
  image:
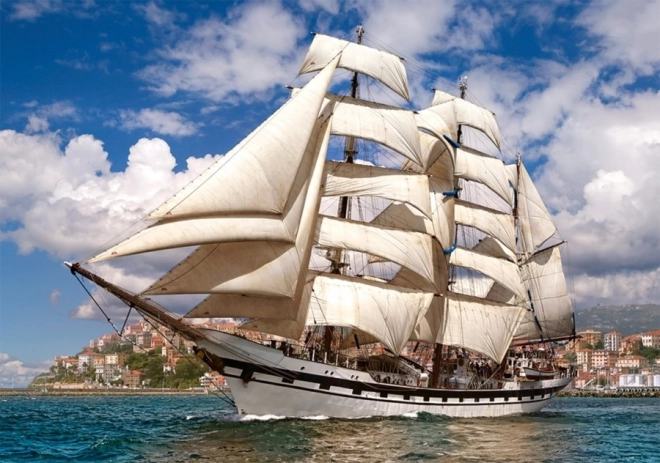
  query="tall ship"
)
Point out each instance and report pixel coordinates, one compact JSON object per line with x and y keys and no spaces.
{"x":376,"y":263}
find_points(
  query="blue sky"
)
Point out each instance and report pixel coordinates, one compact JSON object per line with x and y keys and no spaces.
{"x":106,"y":107}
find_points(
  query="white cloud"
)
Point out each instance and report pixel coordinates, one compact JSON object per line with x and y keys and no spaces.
{"x":55,"y":297}
{"x":66,"y":200}
{"x":39,"y":115}
{"x":331,"y":6}
{"x":157,"y":16}
{"x":251,"y":51}
{"x":30,"y":10}
{"x":627,"y":32}
{"x":162,"y":122}
{"x":15,"y":373}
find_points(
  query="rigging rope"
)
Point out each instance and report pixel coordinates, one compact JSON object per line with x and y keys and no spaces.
{"x":226,"y":398}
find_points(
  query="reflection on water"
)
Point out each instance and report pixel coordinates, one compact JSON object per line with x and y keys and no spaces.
{"x":423,"y":437}
{"x":571,"y":430}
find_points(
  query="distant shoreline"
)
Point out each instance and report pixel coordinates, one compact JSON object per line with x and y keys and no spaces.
{"x":630,"y":394}
{"x":626,"y":394}
{"x":105,"y":392}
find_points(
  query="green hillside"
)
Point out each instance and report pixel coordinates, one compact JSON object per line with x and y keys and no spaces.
{"x":627,"y":319}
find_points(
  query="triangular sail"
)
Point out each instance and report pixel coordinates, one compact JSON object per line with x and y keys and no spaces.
{"x":292,"y":263}
{"x":536,"y":224}
{"x":543,"y":277}
{"x":273,"y":155}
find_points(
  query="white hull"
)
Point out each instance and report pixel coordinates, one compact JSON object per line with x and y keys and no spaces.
{"x":265,"y":382}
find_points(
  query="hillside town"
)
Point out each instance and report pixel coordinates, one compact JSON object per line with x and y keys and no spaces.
{"x":610,"y":360}
{"x":148,"y":355}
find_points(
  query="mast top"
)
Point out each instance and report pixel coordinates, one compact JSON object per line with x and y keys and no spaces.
{"x":360,"y":32}
{"x":462,"y":85}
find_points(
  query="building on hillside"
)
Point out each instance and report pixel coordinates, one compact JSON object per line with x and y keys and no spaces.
{"x":604,"y":359}
{"x":630,"y":344}
{"x":584,"y":359}
{"x":632,"y":362}
{"x":157,"y":341}
{"x":212,"y":380}
{"x":144,"y":340}
{"x":131,"y":378}
{"x":651,"y":339}
{"x":590,"y":337}
{"x":612,"y":341}
{"x":66,"y":362}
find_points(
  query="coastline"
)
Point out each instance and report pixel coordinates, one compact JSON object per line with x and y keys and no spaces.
{"x":628,"y":393}
{"x":105,"y":392}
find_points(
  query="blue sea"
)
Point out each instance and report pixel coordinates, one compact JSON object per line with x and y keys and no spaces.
{"x":204,"y":428}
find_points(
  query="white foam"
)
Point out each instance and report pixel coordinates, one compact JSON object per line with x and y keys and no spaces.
{"x":410,"y":414}
{"x":262,"y":418}
{"x":190,"y":417}
{"x":315,"y":418}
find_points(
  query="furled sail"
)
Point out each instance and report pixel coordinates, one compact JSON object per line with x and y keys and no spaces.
{"x":380,"y":65}
{"x":387,"y":312}
{"x":466,"y":113}
{"x":536,"y":224}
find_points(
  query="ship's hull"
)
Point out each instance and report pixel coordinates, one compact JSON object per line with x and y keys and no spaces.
{"x":265,"y":382}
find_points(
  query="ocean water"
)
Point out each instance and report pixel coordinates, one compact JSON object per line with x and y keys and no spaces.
{"x":204,"y":428}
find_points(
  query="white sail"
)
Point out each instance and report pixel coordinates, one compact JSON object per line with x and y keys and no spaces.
{"x":536,"y":224}
{"x":290,"y":265}
{"x":479,"y":324}
{"x":390,"y":126}
{"x":273,"y":154}
{"x":544,"y":278}
{"x":345,"y":179}
{"x":387,"y":312}
{"x":492,"y":222}
{"x":404,"y":217}
{"x":435,"y":120}
{"x":410,"y":249}
{"x":471,"y":323}
{"x":380,"y":65}
{"x":493,"y":247}
{"x":500,"y":270}
{"x":466,"y":113}
{"x":473,"y":165}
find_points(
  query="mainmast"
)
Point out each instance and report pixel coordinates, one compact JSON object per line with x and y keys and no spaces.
{"x":437,"y":354}
{"x":350,"y":152}
{"x":349,"y":155}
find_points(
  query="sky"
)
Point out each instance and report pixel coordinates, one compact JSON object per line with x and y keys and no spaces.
{"x":107,"y":108}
